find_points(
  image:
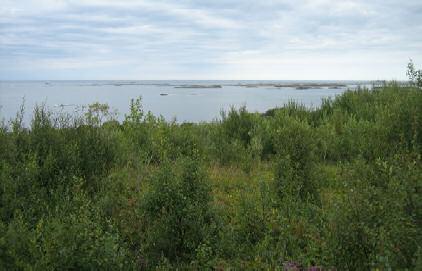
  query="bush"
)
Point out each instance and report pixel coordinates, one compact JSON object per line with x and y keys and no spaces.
{"x":177,"y":212}
{"x":72,"y":235}
{"x":338,"y":186}
{"x":372,"y":226}
{"x":295,"y":147}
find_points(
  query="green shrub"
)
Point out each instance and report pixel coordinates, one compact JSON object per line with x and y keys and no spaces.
{"x":372,"y":225}
{"x":295,"y":147}
{"x":177,"y":212}
{"x":337,"y":186}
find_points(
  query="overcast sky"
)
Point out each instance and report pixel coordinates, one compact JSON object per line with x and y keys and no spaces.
{"x":210,"y":39}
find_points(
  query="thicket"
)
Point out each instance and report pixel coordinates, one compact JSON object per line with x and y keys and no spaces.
{"x":338,"y":186}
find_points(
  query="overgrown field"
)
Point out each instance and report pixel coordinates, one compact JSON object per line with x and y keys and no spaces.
{"x":337,"y":187}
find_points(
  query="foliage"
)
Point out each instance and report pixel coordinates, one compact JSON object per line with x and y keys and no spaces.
{"x":415,"y":76}
{"x":338,"y":186}
{"x":177,"y":212}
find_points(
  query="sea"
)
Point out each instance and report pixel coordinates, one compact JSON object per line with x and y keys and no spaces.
{"x":180,"y":101}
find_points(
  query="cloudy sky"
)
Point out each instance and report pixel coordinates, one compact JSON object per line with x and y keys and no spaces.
{"x":209,"y":39}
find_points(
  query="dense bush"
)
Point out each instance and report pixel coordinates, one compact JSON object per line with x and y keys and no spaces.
{"x":338,"y":186}
{"x":375,"y":223}
{"x":177,"y":213}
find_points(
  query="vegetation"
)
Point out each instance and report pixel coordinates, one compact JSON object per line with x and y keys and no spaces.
{"x":414,"y":75}
{"x":338,"y":186}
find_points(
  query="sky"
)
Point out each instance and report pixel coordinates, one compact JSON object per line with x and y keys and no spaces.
{"x":209,"y":39}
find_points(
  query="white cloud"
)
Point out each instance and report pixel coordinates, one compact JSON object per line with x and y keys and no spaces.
{"x":209,"y":39}
{"x":198,"y":16}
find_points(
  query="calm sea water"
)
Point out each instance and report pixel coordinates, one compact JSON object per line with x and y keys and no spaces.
{"x":160,"y":97}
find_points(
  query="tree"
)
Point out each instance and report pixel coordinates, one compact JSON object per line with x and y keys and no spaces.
{"x":415,"y":76}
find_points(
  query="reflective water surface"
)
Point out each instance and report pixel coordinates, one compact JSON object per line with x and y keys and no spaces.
{"x":187,"y":101}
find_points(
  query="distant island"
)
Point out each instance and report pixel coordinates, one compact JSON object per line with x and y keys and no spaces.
{"x":296,"y":85}
{"x":199,"y":86}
